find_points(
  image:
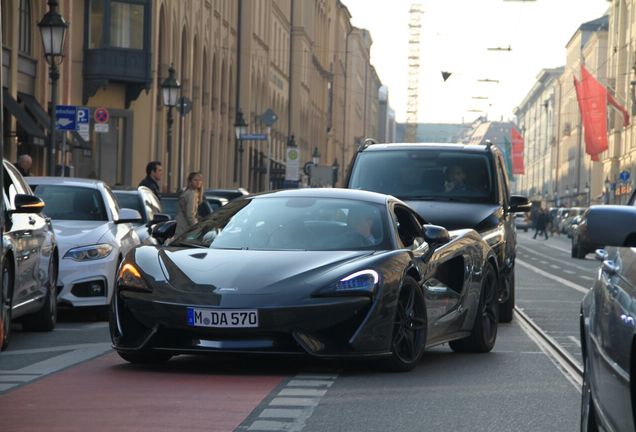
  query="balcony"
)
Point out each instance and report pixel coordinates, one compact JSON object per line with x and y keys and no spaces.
{"x":116,"y":65}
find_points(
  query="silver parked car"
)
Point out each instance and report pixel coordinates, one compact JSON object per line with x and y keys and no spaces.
{"x":148,"y":205}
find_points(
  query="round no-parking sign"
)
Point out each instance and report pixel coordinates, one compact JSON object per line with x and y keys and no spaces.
{"x":101,"y":115}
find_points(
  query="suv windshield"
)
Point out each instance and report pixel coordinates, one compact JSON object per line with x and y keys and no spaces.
{"x":425,"y":174}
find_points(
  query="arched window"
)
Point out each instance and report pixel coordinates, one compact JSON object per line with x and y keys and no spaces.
{"x":25,"y":42}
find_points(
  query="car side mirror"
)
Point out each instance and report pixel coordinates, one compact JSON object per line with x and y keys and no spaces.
{"x":204,"y":210}
{"x":164,"y":230}
{"x":519,"y":203}
{"x":435,"y":234}
{"x":127,"y":215}
{"x":159,"y":218}
{"x":28,"y":204}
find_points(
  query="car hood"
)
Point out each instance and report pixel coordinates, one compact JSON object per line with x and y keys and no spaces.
{"x":454,"y":215}
{"x":252,"y":271}
{"x":79,"y":233}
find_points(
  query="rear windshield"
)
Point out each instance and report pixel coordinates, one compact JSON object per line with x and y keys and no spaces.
{"x":423,"y":174}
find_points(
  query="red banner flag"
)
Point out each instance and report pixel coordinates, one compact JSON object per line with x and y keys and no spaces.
{"x":619,"y":107}
{"x":592,"y":98}
{"x":517,"y":152}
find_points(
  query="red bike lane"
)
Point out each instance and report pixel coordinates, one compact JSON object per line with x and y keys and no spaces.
{"x":107,"y":394}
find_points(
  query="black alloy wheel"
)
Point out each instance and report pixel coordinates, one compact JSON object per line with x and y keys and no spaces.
{"x":145,"y":356}
{"x":588,"y":414}
{"x":46,"y":318}
{"x":5,"y":298}
{"x":409,"y":328}
{"x":484,"y":332}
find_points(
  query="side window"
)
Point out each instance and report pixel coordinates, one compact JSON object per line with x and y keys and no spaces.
{"x":408,"y":228}
{"x":151,"y":204}
{"x":503,"y":180}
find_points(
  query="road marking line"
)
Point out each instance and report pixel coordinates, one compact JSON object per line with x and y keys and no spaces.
{"x":17,"y":378}
{"x":54,"y":349}
{"x":556,"y":267}
{"x":569,"y":272}
{"x":295,"y":404}
{"x":565,"y":282}
{"x":557,"y":248}
{"x":309,"y":383}
{"x":284,"y":413}
{"x":302,"y":392}
{"x":569,"y":263}
{"x":5,"y":387}
{"x":576,"y":341}
{"x":586,"y":277}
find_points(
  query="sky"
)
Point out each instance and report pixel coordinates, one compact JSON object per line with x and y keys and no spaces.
{"x":456,"y":35}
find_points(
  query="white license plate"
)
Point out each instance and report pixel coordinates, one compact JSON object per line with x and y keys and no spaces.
{"x":231,"y":318}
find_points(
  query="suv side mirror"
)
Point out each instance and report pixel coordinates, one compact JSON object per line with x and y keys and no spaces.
{"x":164,"y":230}
{"x":519,"y":203}
{"x":435,"y":234}
{"x":159,"y":218}
{"x":27,"y":204}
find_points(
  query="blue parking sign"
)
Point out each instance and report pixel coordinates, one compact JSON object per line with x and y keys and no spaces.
{"x":66,"y":117}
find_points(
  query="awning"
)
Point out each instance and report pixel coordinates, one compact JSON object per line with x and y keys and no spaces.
{"x":34,"y":107}
{"x":25,"y":121}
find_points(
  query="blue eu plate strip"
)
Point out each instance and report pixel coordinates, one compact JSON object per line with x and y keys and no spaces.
{"x":190,"y":316}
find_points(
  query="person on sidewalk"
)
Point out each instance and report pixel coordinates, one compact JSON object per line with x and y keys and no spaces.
{"x":153,"y":177}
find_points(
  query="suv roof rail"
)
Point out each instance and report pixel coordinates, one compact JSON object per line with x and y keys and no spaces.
{"x":366,"y":143}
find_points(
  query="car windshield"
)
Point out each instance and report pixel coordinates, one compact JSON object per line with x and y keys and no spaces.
{"x":72,"y":202}
{"x":312,"y":224}
{"x":425,"y":174}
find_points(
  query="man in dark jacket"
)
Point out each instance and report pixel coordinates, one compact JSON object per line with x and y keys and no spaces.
{"x":542,"y":223}
{"x":153,"y":177}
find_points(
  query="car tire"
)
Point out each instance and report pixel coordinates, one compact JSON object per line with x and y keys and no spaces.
{"x":5,"y":304}
{"x":409,"y":328}
{"x":588,"y":412}
{"x":46,"y":318}
{"x":506,"y":309}
{"x":483,"y":335}
{"x":145,"y":356}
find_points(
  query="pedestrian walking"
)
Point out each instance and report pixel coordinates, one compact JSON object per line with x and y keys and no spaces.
{"x":542,"y":224}
{"x":189,"y":201}
{"x":154,"y":170}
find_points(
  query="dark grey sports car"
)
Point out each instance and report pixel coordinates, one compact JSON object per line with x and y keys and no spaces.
{"x":325,"y":272}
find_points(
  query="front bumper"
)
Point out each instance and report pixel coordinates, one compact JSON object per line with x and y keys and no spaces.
{"x":87,"y":283}
{"x":323,"y":327}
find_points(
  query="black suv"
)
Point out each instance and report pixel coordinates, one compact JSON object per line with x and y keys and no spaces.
{"x":453,"y":185}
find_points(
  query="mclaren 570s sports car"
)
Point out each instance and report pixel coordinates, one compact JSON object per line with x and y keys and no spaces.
{"x":325,"y":272}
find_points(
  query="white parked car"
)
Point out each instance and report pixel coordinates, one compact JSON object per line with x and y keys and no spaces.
{"x":93,"y":234}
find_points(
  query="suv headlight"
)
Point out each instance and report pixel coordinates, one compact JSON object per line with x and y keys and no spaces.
{"x":362,"y":283}
{"x":89,"y":253}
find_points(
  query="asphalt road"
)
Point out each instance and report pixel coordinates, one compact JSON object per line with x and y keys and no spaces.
{"x":70,"y":380}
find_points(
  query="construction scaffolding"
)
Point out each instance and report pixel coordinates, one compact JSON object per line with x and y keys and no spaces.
{"x":415,"y":33}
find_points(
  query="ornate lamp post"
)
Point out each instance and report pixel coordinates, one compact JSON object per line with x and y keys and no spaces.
{"x":240,"y":128}
{"x":315,"y":156}
{"x":53,"y":31}
{"x":170,"y":89}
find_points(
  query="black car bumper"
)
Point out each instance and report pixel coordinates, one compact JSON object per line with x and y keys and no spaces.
{"x":323,"y":327}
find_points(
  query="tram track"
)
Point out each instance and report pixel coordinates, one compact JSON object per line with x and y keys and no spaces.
{"x":567,"y":364}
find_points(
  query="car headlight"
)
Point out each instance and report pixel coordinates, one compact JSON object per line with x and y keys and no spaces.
{"x":130,"y":277}
{"x":362,"y":283}
{"x":89,"y":253}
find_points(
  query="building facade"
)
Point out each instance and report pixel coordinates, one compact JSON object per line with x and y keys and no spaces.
{"x":300,"y":59}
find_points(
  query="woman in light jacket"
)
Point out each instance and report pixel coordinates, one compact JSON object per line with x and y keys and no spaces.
{"x":189,"y":201}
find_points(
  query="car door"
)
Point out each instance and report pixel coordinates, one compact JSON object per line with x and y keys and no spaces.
{"x":613,"y":331}
{"x":441,"y":297}
{"x":28,"y":234}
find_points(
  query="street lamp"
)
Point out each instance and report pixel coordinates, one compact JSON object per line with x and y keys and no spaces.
{"x":240,"y":128}
{"x":53,"y":31}
{"x":170,"y":89}
{"x":315,"y":156}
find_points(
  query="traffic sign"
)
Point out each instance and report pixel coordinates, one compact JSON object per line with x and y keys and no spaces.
{"x":184,"y":106}
{"x":624,"y":176}
{"x":253,"y":137}
{"x":83,"y":122}
{"x":269,"y":117}
{"x":65,"y":117}
{"x":101,"y":115}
